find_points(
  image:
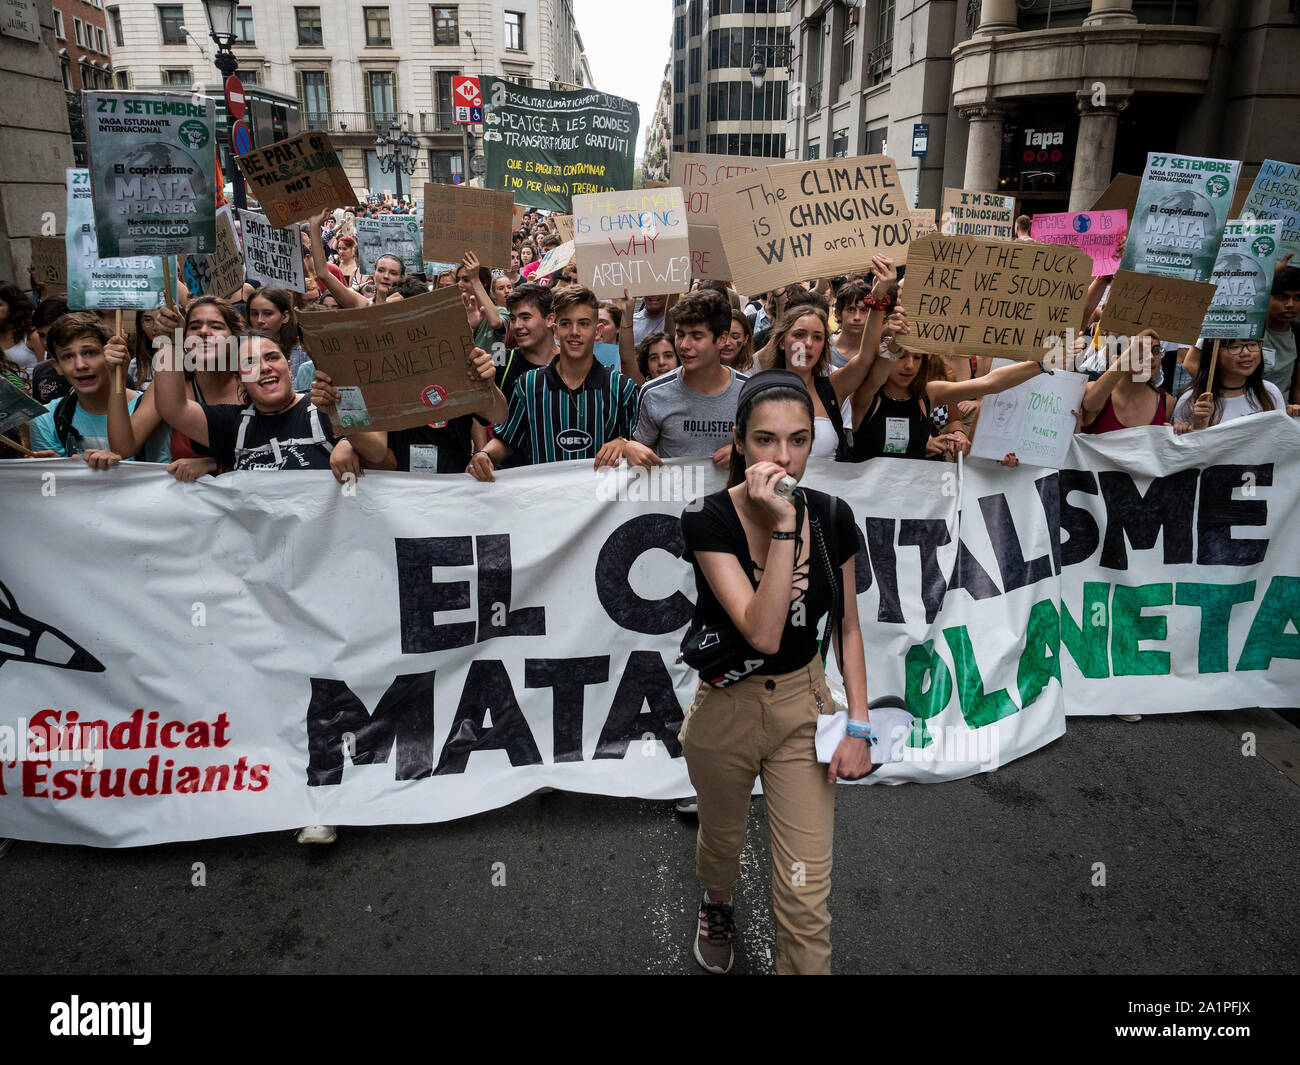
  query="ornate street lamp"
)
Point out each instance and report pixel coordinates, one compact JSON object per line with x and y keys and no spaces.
{"x":221,"y":28}
{"x":776,"y":54}
{"x":398,"y":153}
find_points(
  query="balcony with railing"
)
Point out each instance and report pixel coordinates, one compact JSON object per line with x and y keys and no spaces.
{"x":355,"y":121}
{"x":880,"y":62}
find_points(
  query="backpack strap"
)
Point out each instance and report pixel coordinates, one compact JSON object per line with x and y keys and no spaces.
{"x":69,"y":438}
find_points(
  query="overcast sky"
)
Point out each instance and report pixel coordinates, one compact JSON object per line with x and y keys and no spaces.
{"x":627,"y":47}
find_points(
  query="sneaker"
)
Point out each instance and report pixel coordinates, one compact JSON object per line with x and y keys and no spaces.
{"x":318,"y":834}
{"x":688,"y":805}
{"x":1129,"y":717}
{"x":713,"y":937}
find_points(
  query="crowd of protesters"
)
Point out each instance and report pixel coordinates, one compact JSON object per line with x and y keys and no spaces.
{"x":700,"y":374}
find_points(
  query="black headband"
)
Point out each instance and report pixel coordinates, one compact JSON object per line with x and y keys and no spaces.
{"x":766,"y":380}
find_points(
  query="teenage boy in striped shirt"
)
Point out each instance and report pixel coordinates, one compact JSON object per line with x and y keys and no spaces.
{"x":574,"y":408}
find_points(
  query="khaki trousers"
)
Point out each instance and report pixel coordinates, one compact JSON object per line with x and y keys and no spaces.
{"x":765,"y":727}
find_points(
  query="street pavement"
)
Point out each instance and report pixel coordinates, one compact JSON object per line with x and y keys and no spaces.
{"x":991,"y":874}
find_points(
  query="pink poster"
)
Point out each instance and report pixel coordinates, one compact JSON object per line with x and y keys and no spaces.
{"x":1096,"y":233}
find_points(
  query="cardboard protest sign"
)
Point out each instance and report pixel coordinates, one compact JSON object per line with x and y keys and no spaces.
{"x":226,"y":265}
{"x":16,"y":406}
{"x":554,"y":260}
{"x":977,"y":214}
{"x":1094,"y":232}
{"x":708,"y":256}
{"x":811,"y":219}
{"x":1174,"y":307}
{"x":1276,"y":194}
{"x":1120,"y":195}
{"x":458,"y":219}
{"x":923,"y":221}
{"x":698,"y":175}
{"x":564,"y":227}
{"x":976,"y":296}
{"x":1243,"y":276}
{"x":635,"y":240}
{"x":1035,"y":420}
{"x":399,"y":364}
{"x":396,"y":234}
{"x":296,"y":178}
{"x":545,"y":146}
{"x":151,"y":165}
{"x":1181,"y":211}
{"x":272,"y":256}
{"x":131,"y":283}
{"x":50,"y":262}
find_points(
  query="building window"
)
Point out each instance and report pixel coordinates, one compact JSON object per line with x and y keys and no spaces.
{"x":515,"y":30}
{"x":249,"y":77}
{"x":115,"y":23}
{"x":378,"y":31}
{"x":846,"y":56}
{"x":442,"y":102}
{"x":446,"y":25}
{"x":100,"y":46}
{"x":171,"y":18}
{"x":840,"y":143}
{"x":695,"y":66}
{"x":65,"y":65}
{"x":76,"y":25}
{"x":814,"y":150}
{"x":314,"y":95}
{"x":244,"y":25}
{"x":446,"y":167}
{"x":177,"y":77}
{"x":880,"y":63}
{"x":876,"y":140}
{"x":695,"y":114}
{"x":123,"y":79}
{"x":381,"y":95}
{"x":58,"y":26}
{"x":309,"y":28}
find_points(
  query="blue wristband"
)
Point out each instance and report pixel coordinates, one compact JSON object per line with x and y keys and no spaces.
{"x":860,"y":730}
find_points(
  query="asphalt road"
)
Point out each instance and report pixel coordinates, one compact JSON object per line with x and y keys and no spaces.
{"x":993,"y":874}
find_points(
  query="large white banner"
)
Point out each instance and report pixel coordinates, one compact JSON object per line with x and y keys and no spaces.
{"x":268,"y":650}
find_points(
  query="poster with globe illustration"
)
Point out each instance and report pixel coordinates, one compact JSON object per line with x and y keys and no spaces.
{"x":1244,"y":274}
{"x":1181,"y":210}
{"x":152,"y":172}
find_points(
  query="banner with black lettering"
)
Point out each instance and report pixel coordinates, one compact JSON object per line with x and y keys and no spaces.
{"x":268,"y":650}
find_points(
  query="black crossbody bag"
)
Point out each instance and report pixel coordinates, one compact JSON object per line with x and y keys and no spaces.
{"x":722,"y":656}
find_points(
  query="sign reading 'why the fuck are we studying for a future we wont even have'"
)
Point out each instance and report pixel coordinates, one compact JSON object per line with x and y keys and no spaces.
{"x":977,"y":296}
{"x":797,"y":220}
{"x":635,"y":240}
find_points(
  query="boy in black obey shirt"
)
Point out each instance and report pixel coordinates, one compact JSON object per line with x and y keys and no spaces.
{"x":439,"y":447}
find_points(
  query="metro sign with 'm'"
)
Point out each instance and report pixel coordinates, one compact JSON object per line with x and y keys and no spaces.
{"x":467,"y":99}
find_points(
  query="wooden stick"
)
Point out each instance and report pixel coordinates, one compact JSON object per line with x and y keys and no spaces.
{"x":117,"y":370}
{"x":1214,"y":362}
{"x":17,"y":447}
{"x":167,"y":282}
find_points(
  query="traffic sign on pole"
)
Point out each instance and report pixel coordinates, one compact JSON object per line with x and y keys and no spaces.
{"x":241,"y":138}
{"x":235,"y":97}
{"x":920,"y":138}
{"x":466,"y":100}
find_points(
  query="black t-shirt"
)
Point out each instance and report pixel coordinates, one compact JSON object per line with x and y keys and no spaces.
{"x":48,"y":383}
{"x":896,"y":428}
{"x":273,"y":441}
{"x":441,"y":447}
{"x":716,"y":527}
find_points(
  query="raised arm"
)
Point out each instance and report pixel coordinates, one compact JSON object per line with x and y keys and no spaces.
{"x":998,"y":380}
{"x":490,"y":312}
{"x":174,"y":403}
{"x":627,"y":364}
{"x":848,"y":379}
{"x":345,"y":296}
